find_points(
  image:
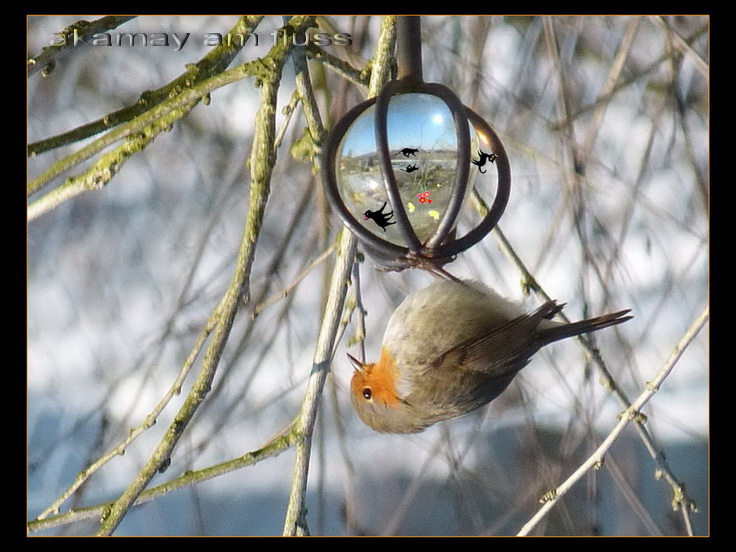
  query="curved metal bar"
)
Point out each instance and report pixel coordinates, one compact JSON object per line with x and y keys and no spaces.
{"x":435,"y":253}
{"x":503,"y":192}
{"x":438,"y":248}
{"x":462,"y":167}
{"x":329,"y":180}
{"x":384,"y":155}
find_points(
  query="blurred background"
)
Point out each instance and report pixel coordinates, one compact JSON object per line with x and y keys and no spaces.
{"x":605,"y":121}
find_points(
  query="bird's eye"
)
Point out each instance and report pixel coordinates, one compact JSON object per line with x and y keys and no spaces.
{"x":367,"y":393}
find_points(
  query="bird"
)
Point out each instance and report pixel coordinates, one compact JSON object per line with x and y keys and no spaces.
{"x":450,"y":348}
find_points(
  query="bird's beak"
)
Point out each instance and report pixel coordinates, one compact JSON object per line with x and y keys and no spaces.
{"x":355,"y":362}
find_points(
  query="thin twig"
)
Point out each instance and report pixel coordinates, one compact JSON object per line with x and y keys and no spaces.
{"x":275,"y":445}
{"x":150,"y":420}
{"x":212,"y":63}
{"x":684,"y":46}
{"x":263,"y":305}
{"x":46,"y":60}
{"x":262,"y":161}
{"x":186,"y":97}
{"x":633,"y":413}
{"x":97,"y":176}
{"x":295,"y":522}
{"x":530,"y":283}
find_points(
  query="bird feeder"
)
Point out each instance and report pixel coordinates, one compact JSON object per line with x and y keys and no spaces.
{"x":399,"y":168}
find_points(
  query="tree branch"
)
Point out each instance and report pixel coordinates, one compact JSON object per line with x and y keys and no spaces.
{"x":295,"y":522}
{"x":212,"y":63}
{"x":262,"y":161}
{"x":633,"y":413}
{"x":46,"y":60}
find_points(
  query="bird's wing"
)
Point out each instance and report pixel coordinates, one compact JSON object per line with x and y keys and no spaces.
{"x":505,"y":349}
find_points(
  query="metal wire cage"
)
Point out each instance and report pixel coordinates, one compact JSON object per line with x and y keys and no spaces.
{"x":401,"y":238}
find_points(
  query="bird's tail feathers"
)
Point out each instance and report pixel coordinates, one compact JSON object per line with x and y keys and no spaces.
{"x":563,"y":331}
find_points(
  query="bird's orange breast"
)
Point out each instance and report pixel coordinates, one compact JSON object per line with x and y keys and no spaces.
{"x":380,"y":377}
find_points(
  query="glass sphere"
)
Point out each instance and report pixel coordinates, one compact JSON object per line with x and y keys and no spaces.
{"x":423,"y":148}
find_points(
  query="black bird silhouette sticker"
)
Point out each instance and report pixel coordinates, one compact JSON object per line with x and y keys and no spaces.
{"x":381,"y":218}
{"x":407,"y":152}
{"x":411,"y":168}
{"x":483,"y":158}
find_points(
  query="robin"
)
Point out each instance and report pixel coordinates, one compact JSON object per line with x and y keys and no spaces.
{"x":451,"y":348}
